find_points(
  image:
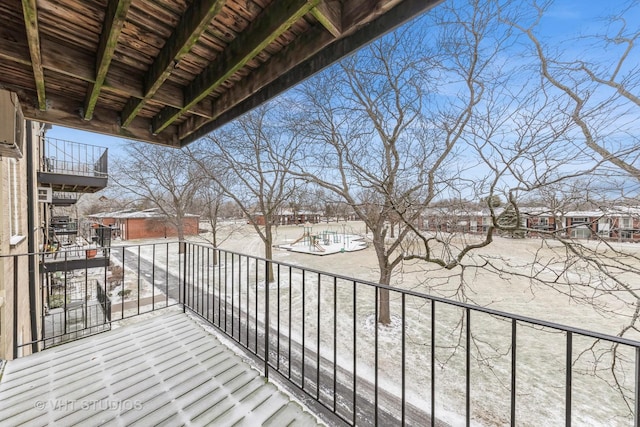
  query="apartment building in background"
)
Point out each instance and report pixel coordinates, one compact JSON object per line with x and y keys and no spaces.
{"x":37,"y":175}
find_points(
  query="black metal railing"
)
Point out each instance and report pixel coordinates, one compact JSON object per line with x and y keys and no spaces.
{"x":64,"y":195}
{"x":65,"y":227}
{"x":77,"y":297}
{"x":74,"y":158}
{"x":438,"y":361}
{"x":104,"y":301}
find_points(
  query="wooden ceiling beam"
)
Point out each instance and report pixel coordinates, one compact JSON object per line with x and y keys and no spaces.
{"x":193,"y":23}
{"x":329,"y":14}
{"x":359,"y":12}
{"x":30,"y":13}
{"x":15,"y":51}
{"x":233,"y":104}
{"x":272,"y":23}
{"x":65,"y":113}
{"x":304,"y":47}
{"x":114,"y":18}
{"x":78,"y":65}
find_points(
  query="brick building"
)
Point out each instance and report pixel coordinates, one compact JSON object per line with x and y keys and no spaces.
{"x":146,"y":224}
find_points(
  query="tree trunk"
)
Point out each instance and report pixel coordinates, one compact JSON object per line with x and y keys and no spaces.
{"x":384,"y":309}
{"x":180,"y":230}
{"x":268,"y":253}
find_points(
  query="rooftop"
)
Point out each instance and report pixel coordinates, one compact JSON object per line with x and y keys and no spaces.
{"x":132,"y":213}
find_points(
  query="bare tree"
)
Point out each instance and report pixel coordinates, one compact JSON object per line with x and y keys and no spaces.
{"x":249,"y":160}
{"x":163,"y":177}
{"x":597,"y":97}
{"x":356,"y":142}
{"x":211,"y":201}
{"x":383,"y":137}
{"x":601,"y":90}
{"x":563,"y":130}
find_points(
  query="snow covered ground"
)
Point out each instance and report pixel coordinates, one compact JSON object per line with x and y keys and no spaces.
{"x":541,"y":366}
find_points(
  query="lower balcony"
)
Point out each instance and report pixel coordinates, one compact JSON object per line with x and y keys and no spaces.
{"x":71,"y":182}
{"x":77,"y":258}
{"x":63,"y":198}
{"x":73,"y":167}
{"x":438,"y":362}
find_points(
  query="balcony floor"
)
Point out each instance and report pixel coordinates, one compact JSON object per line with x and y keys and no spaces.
{"x":165,"y":370}
{"x":73,"y":182}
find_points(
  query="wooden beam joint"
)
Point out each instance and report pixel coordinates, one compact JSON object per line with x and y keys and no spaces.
{"x":113,"y":22}
{"x":329,"y":14}
{"x":193,"y":23}
{"x":273,"y":22}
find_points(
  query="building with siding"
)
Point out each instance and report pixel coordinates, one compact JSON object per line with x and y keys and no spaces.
{"x":36,"y":174}
{"x":620,"y":223}
{"x":19,"y":213}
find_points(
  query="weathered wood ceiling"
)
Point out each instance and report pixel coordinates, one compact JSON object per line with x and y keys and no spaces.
{"x":170,"y":71}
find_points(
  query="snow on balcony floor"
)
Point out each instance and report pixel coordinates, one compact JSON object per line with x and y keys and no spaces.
{"x":165,"y":370}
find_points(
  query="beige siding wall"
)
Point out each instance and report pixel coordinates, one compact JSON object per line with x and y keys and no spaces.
{"x":14,"y":232}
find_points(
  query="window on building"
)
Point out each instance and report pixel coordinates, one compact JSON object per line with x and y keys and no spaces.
{"x":14,"y":193}
{"x":626,"y":223}
{"x":581,"y":233}
{"x":579,"y":220}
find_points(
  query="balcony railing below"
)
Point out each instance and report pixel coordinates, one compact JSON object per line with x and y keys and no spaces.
{"x":63,"y":198}
{"x":73,"y":167}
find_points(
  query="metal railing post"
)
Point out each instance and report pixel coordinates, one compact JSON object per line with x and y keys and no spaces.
{"x":124,"y":269}
{"x":433,"y":363}
{"x":266,"y":319}
{"x":637,"y":405}
{"x":513,"y":370}
{"x":138,"y":294}
{"x":184,"y":275}
{"x":15,"y":307}
{"x":568,"y":379}
{"x":468,"y":367}
{"x":403,"y":354}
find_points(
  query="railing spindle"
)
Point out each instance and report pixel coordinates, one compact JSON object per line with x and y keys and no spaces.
{"x":433,"y":363}
{"x":513,"y":370}
{"x":468,"y":367}
{"x":403,"y":361}
{"x":637,"y":398}
{"x":266,"y":320}
{"x":568,"y":381}
{"x":318,"y":341}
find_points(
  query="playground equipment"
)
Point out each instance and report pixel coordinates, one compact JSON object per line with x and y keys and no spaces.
{"x":317,"y":246}
{"x":325,"y":242}
{"x":313,"y":240}
{"x":306,"y":237}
